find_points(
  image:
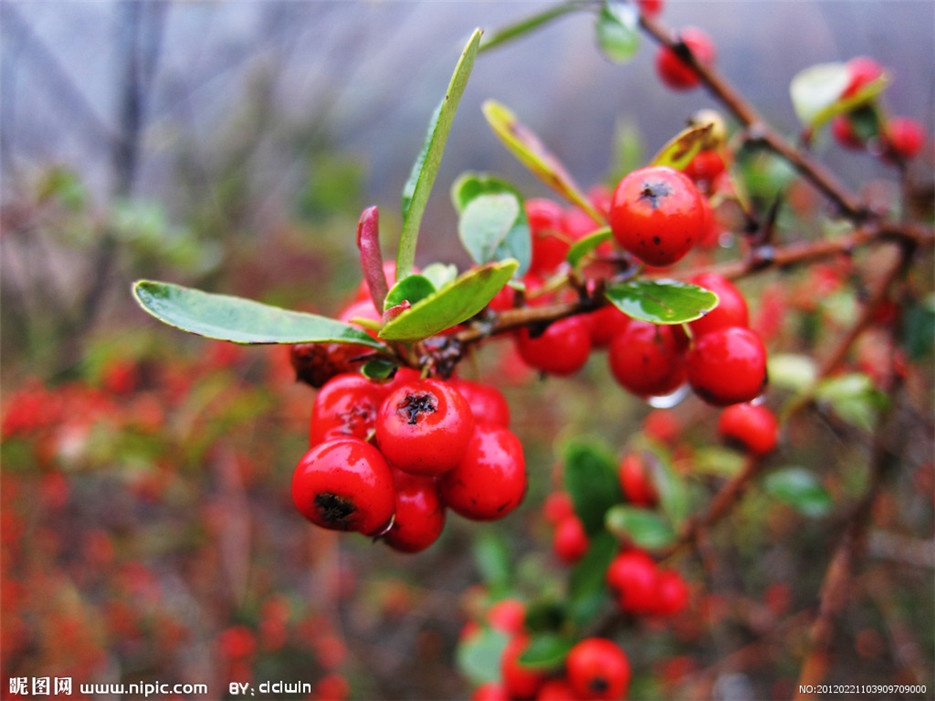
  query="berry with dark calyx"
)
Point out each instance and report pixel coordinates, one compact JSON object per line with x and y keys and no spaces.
{"x":420,"y":514}
{"x":347,"y":405}
{"x":675,"y":72}
{"x":636,"y":480}
{"x":598,"y":669}
{"x":423,"y":426}
{"x":520,"y":682}
{"x":316,"y":363}
{"x":562,"y":349}
{"x":657,"y":214}
{"x":647,"y":359}
{"x":753,"y":427}
{"x":570,"y":540}
{"x":631,"y":577}
{"x":345,"y":484}
{"x":488,"y":405}
{"x":731,"y":309}
{"x":727,"y":366}
{"x":490,"y":481}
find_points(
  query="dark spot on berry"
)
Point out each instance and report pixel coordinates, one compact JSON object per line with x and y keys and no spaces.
{"x":598,"y":685}
{"x":655,"y":193}
{"x":337,"y":511}
{"x":657,"y":240}
{"x":415,"y":405}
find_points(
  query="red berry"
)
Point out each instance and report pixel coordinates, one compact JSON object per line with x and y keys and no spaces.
{"x":345,"y":484}
{"x":605,"y":323}
{"x":862,"y":70}
{"x":562,"y":349}
{"x":671,"y":593}
{"x":488,"y":405}
{"x":731,"y":309}
{"x":631,"y":576}
{"x":842,"y":130}
{"x":346,"y":405}
{"x":903,"y":138}
{"x":557,"y":689}
{"x":423,"y":426}
{"x":316,"y":363}
{"x":490,"y":691}
{"x":752,"y":426}
{"x":657,"y":214}
{"x":570,"y":541}
{"x":557,"y":506}
{"x":636,"y":480}
{"x":550,"y":243}
{"x":507,"y":616}
{"x":420,"y":514}
{"x":676,"y":73}
{"x":647,"y":359}
{"x":650,"y":7}
{"x":520,"y":682}
{"x":363,"y":310}
{"x":706,"y":166}
{"x":490,"y":480}
{"x":727,"y":366}
{"x":598,"y":669}
{"x":663,"y":426}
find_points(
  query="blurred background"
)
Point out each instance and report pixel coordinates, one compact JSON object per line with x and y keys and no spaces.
{"x":146,"y":525}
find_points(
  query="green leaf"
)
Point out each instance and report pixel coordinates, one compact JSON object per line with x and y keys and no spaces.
{"x":523,"y":143}
{"x":493,"y":559}
{"x":378,"y":369}
{"x":717,"y":461}
{"x":425,"y":169}
{"x":492,"y":221}
{"x":618,"y":30}
{"x":452,"y":304}
{"x":590,"y":476}
{"x":527,"y":25}
{"x":228,"y":318}
{"x":440,"y":274}
{"x":587,"y":587}
{"x":793,"y":371}
{"x":546,"y":651}
{"x":684,"y":146}
{"x":800,"y":489}
{"x":670,"y":486}
{"x":853,"y":397}
{"x":662,"y":301}
{"x":411,"y":288}
{"x":580,"y":248}
{"x":478,"y":656}
{"x":643,"y":528}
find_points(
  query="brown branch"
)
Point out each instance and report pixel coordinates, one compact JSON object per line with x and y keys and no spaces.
{"x":758,"y":129}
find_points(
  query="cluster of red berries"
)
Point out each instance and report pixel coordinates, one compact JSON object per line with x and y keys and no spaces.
{"x":595,"y":669}
{"x":894,"y":139}
{"x":388,"y":459}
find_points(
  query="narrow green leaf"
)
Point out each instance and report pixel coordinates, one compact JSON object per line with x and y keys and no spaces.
{"x":618,"y":30}
{"x":793,"y":371}
{"x":670,"y":486}
{"x":452,"y":304}
{"x":411,"y":288}
{"x":662,"y":301}
{"x":478,"y":656}
{"x":580,"y":248}
{"x":717,"y":461}
{"x":523,"y":143}
{"x":643,"y":528}
{"x":527,"y":25}
{"x":590,"y":476}
{"x":684,"y":146}
{"x":799,"y":488}
{"x":229,"y":318}
{"x":587,"y":576}
{"x":546,"y":651}
{"x":425,"y":169}
{"x":493,"y":558}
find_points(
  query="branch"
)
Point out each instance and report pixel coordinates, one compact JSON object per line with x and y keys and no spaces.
{"x":758,"y":129}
